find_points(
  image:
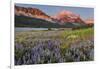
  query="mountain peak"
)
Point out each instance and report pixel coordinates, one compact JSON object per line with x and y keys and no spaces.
{"x":31,"y":12}
{"x":68,"y":16}
{"x":65,"y":12}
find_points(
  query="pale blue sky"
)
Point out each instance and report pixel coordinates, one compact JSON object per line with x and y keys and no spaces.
{"x":53,"y":10}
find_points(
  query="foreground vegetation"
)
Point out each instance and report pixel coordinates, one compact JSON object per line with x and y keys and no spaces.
{"x":38,"y":47}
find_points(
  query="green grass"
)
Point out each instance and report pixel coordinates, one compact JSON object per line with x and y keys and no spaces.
{"x":67,"y":37}
{"x":72,"y":37}
{"x":80,"y":34}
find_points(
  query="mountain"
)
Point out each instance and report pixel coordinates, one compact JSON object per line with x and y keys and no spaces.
{"x":24,"y":21}
{"x":89,"y":22}
{"x":33,"y":17}
{"x":31,"y":12}
{"x":67,"y":16}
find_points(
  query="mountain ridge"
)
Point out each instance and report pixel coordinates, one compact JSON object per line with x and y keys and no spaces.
{"x":62,"y":18}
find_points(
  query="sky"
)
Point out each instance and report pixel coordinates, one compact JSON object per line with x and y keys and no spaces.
{"x":84,"y":12}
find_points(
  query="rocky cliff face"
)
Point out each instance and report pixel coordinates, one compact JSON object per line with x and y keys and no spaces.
{"x":31,"y":12}
{"x":67,"y":16}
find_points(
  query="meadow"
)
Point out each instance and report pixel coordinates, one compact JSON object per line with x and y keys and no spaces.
{"x":54,"y":46}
